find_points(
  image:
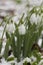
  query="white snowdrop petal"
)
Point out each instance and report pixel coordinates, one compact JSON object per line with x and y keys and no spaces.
{"x":40,"y":42}
{"x":10,"y":28}
{"x":15,"y":39}
{"x":22,"y":29}
{"x":35,"y":18}
{"x":38,"y":18}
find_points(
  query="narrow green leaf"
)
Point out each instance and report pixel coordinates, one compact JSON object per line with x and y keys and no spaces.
{"x":6,"y":50}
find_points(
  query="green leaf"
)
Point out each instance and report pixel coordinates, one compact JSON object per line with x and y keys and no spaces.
{"x":10,"y":59}
{"x":13,"y":46}
{"x":0,"y":45}
{"x":6,"y":50}
{"x":7,"y":35}
{"x":19,"y":44}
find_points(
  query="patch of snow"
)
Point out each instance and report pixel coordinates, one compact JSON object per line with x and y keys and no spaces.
{"x":15,"y":19}
{"x":3,"y":62}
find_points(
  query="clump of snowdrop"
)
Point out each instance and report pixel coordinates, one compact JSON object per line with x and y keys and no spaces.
{"x":10,"y":28}
{"x":35,"y":18}
{"x":22,"y":29}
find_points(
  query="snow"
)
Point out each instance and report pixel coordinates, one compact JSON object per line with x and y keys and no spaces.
{"x":15,"y":19}
{"x":3,"y":62}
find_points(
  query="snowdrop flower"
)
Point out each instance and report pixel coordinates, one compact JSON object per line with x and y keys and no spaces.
{"x":27,"y":60}
{"x":22,"y":29}
{"x":41,"y":62}
{"x":40,"y":42}
{"x":10,"y":28}
{"x":35,"y":18}
{"x":35,"y":2}
{"x":33,"y":58}
{"x":1,"y":31}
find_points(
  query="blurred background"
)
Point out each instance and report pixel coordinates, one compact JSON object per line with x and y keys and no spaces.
{"x":11,"y":6}
{"x":16,"y":7}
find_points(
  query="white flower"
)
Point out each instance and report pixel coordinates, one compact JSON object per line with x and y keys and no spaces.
{"x":41,"y":62}
{"x":35,"y":2}
{"x":35,"y":18}
{"x":33,"y":58}
{"x":22,"y":29}
{"x":10,"y":28}
{"x":15,"y":39}
{"x":40,"y":42}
